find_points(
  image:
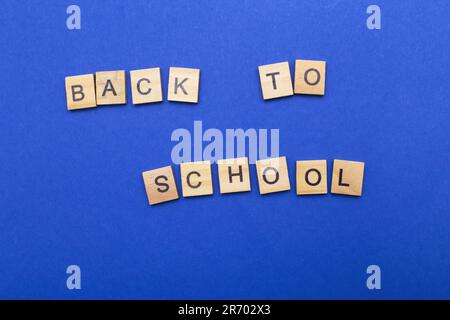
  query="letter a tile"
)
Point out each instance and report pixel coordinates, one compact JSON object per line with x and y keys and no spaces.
{"x":111,"y":87}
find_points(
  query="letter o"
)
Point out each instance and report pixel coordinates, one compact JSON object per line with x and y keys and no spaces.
{"x":277,"y":175}
{"x":319,"y":177}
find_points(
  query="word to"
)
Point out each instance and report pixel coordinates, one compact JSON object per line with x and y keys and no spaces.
{"x":276,"y":79}
{"x":272,"y":173}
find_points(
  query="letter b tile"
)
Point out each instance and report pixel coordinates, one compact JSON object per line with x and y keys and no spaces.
{"x":80,"y":92}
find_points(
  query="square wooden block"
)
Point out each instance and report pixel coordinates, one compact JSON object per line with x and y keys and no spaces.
{"x":80,"y":92}
{"x":196,"y":178}
{"x":160,"y":185}
{"x":310,"y":77}
{"x":272,"y":175}
{"x":347,"y":177}
{"x":311,"y":177}
{"x":275,"y":80}
{"x":111,"y":87}
{"x":183,"y":85}
{"x":146,"y":85}
{"x":234,"y":175}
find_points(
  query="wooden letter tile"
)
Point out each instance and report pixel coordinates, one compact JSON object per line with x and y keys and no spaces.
{"x":111,"y":87}
{"x":310,"y":77}
{"x":80,"y":92}
{"x":312,"y":177}
{"x":275,"y":80}
{"x":146,"y":85}
{"x":347,"y":177}
{"x":160,"y":185}
{"x":234,"y":175}
{"x":196,"y":178}
{"x":272,"y":175}
{"x":183,"y":85}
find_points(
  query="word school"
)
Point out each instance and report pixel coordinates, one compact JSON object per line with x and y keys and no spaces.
{"x":272,"y":173}
{"x":109,"y":87}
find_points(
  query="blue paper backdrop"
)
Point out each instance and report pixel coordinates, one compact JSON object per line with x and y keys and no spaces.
{"x":72,"y":191}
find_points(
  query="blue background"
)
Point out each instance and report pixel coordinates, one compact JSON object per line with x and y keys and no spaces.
{"x":72,"y":191}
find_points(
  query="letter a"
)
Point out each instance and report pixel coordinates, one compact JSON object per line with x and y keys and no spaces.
{"x":374,"y":20}
{"x":74,"y":280}
{"x":374,"y":280}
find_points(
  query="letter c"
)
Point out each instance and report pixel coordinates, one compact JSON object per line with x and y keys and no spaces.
{"x":188,"y":180}
{"x":138,"y":85}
